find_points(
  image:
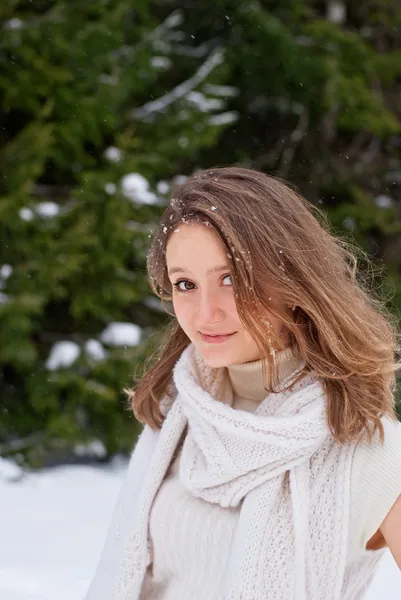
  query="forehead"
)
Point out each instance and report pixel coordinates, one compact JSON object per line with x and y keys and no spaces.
{"x":194,"y":243}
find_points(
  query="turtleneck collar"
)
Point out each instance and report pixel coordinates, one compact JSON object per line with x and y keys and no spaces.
{"x":246,"y":378}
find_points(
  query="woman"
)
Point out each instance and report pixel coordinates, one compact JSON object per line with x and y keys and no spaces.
{"x":270,"y":461}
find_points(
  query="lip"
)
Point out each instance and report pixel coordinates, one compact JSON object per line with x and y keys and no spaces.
{"x":216,"y":339}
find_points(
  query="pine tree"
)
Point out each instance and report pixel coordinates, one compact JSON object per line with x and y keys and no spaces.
{"x":104,"y":104}
{"x":98,"y":121}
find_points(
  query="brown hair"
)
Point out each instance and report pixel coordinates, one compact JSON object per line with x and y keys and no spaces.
{"x":286,"y":262}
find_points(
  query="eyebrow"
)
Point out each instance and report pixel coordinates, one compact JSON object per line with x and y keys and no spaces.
{"x":209,"y":272}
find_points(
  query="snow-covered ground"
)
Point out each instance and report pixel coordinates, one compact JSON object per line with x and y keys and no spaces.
{"x":52,"y":526}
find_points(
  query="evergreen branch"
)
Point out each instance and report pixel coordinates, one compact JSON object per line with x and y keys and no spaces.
{"x":173,"y":20}
{"x":159,"y":33}
{"x":192,"y":51}
{"x":160,"y":104}
{"x":22,"y":444}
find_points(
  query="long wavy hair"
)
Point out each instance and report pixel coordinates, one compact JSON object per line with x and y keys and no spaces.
{"x":284,"y":261}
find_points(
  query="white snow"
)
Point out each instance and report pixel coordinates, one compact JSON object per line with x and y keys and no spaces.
{"x":136,"y":188}
{"x":113,"y":154}
{"x":336,"y":12}
{"x":95,"y":350}
{"x":173,"y":20}
{"x":108,"y":79}
{"x":203,"y":103}
{"x":62,"y":355}
{"x":384,"y":201}
{"x":4,"y":298}
{"x":162,"y":45}
{"x":349,"y":223}
{"x":53,"y":525}
{"x":221,"y":90}
{"x":179,"y":179}
{"x":162,"y":187}
{"x":146,"y":111}
{"x":47,"y":210}
{"x":192,"y":51}
{"x":14,"y":23}
{"x":176,"y":36}
{"x":162,"y":34}
{"x":121,"y":334}
{"x":224,"y":118}
{"x":26,"y":214}
{"x":94,"y":449}
{"x":110,"y":188}
{"x":5,"y":271}
{"x":9,"y":470}
{"x":161,"y":62}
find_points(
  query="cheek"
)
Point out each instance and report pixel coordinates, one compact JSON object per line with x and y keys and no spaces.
{"x":231,"y":311}
{"x":183,"y":312}
{"x":232,"y":306}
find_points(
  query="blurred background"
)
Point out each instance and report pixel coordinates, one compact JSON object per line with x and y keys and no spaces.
{"x":106,"y":104}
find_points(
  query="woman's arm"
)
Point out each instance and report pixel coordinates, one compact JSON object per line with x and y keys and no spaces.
{"x":391,"y":530}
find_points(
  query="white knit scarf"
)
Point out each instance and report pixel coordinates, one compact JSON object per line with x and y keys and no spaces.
{"x":279,"y":464}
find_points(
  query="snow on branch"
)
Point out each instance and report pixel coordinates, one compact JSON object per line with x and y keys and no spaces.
{"x":21,"y":444}
{"x":121,"y":334}
{"x":173,"y":20}
{"x":158,"y":35}
{"x":62,"y":355}
{"x":336,"y":11}
{"x":224,"y":118}
{"x":215,"y":58}
{"x":192,"y":51}
{"x":225,"y":91}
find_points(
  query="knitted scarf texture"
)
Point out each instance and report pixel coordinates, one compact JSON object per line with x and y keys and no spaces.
{"x":279,"y":465}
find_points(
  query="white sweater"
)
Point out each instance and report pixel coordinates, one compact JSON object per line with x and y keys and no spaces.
{"x":191,"y":538}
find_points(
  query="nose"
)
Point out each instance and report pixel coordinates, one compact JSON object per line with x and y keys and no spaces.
{"x":210,"y":309}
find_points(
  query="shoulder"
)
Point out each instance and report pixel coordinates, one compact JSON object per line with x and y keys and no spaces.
{"x":375,"y":479}
{"x":377,"y":457}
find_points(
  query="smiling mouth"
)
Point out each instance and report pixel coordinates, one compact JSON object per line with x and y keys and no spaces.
{"x":216,"y":334}
{"x":216,"y":338}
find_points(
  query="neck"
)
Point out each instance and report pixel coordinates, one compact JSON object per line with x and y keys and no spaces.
{"x":247,"y":378}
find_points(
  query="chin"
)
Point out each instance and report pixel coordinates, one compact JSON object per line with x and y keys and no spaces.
{"x":215,"y":363}
{"x":217,"y":359}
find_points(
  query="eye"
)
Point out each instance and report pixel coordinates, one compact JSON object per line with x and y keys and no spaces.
{"x":181,"y":285}
{"x":228,"y":276}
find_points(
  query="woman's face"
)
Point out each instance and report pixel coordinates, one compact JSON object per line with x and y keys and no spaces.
{"x":203,"y":297}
